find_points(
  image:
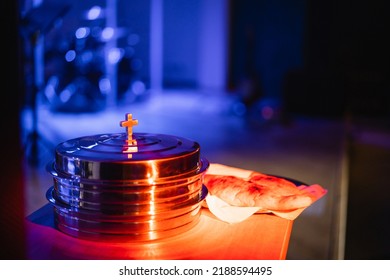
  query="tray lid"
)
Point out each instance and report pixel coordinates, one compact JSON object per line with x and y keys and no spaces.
{"x":127,"y":156}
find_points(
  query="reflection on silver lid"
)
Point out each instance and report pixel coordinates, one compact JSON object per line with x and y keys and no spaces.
{"x":114,"y":157}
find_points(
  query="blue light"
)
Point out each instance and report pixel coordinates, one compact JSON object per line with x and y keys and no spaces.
{"x":70,"y":55}
{"x":82,"y":32}
{"x":107,"y":33}
{"x":66,"y":94}
{"x":115,"y":55}
{"x":105,"y":85}
{"x":94,"y":13}
{"x":138,"y":87}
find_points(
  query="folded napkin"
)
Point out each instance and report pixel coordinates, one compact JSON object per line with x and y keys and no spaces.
{"x":236,"y":214}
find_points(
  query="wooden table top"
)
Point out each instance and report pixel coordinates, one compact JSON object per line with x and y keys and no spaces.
{"x":261,"y":236}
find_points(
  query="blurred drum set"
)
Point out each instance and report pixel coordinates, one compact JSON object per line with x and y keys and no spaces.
{"x":66,"y":63}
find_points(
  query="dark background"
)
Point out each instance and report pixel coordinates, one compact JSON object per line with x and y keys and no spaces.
{"x":321,"y":58}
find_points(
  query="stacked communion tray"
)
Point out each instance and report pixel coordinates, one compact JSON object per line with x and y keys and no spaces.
{"x":127,"y":186}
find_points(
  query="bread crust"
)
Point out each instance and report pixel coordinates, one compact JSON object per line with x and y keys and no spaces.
{"x":259,"y":190}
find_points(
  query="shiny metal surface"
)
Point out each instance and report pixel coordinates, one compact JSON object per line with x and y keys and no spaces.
{"x":123,"y":185}
{"x":126,"y":226}
{"x":111,"y":228}
{"x":128,"y":203}
{"x":134,"y":186}
{"x":114,"y":157}
{"x":126,"y":194}
{"x":141,"y":236}
{"x":134,"y":208}
{"x":176,"y":210}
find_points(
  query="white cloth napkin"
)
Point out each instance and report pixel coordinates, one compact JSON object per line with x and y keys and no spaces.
{"x":235,"y":214}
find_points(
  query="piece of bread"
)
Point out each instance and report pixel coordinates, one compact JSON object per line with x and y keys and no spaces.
{"x":259,"y":190}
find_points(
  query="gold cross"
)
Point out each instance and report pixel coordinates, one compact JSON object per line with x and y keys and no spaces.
{"x":129,"y":123}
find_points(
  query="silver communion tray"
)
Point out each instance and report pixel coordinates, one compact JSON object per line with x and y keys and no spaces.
{"x":127,"y":186}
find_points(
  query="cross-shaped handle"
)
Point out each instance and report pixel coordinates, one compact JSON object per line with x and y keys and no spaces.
{"x":129,"y":123}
